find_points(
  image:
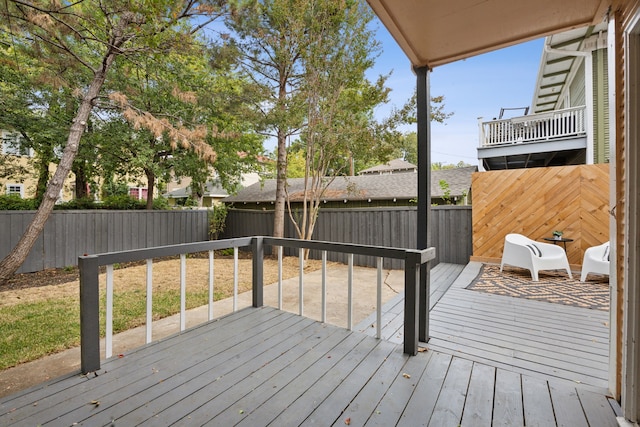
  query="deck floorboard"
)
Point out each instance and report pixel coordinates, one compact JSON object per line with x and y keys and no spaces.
{"x":262,"y":366}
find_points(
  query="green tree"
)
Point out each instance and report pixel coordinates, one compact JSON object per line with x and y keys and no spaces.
{"x":339,"y":99}
{"x":178,"y":88}
{"x":76,"y":45}
{"x":443,"y":166}
{"x":269,"y":37}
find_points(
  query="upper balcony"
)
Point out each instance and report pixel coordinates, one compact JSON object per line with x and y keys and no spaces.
{"x":555,"y":138}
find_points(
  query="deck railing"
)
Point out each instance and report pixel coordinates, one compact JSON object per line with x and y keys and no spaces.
{"x":533,"y":128}
{"x":90,"y":289}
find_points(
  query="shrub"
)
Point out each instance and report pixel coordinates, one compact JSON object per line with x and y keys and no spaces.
{"x":217,"y":216}
{"x":123,"y":202}
{"x":16,"y":203}
{"x":84,"y":203}
{"x":161,"y":203}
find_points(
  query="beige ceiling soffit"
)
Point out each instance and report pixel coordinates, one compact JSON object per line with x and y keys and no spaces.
{"x":389,"y":22}
{"x":507,"y":42}
{"x":411,"y":38}
{"x":602,"y":13}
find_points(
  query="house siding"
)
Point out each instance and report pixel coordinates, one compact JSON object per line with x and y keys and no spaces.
{"x":600,"y":106}
{"x":577,"y":93}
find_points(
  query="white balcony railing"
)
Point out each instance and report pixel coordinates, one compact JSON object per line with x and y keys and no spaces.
{"x":533,"y":128}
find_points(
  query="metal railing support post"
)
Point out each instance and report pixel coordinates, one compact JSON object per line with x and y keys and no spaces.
{"x":89,"y":314}
{"x":257,"y":247}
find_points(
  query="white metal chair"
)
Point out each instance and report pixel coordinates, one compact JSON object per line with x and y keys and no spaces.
{"x":596,"y":260}
{"x":520,"y":251}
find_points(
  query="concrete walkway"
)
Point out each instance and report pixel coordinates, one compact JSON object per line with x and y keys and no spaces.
{"x":26,"y":375}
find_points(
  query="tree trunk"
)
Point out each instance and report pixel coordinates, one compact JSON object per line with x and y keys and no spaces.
{"x":17,"y":256}
{"x":281,"y":182}
{"x":82,"y":186}
{"x":44,"y":158}
{"x":151,"y":182}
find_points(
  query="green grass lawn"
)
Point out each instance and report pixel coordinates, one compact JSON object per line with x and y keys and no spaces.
{"x":35,"y":329}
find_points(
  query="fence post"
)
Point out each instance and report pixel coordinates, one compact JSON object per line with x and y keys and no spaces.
{"x":411,"y":303}
{"x":257,"y":249}
{"x":89,"y":314}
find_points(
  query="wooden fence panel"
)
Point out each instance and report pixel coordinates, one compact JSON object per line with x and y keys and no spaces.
{"x":395,"y":227}
{"x":535,"y":202}
{"x":69,"y":234}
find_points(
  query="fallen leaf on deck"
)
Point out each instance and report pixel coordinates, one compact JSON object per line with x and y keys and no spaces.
{"x":95,"y":402}
{"x":404,"y":374}
{"x":347,"y":421}
{"x":422,"y":349}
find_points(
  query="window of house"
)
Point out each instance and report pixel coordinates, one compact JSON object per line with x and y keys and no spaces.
{"x":139,"y":193}
{"x":17,"y":189}
{"x":11,"y":145}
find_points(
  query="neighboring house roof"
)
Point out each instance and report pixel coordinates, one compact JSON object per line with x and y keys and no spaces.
{"x":364,"y":187}
{"x":211,"y":190}
{"x":393,"y":166}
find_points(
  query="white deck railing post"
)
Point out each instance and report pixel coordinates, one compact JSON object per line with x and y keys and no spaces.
{"x":280,"y":277}
{"x":379,"y":300}
{"x":235,"y":279}
{"x":350,"y":293}
{"x":149,"y":321}
{"x":109,"y":313}
{"x":183,"y":291}
{"x":301,"y":282}
{"x":211,"y":282}
{"x":324,"y":286}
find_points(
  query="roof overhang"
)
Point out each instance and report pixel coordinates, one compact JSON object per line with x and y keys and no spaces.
{"x":561,"y":58}
{"x":436,"y":32}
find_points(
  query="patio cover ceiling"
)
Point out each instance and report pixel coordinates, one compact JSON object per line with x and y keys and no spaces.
{"x":436,"y":32}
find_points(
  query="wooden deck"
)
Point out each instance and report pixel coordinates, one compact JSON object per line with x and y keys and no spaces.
{"x":268,"y":367}
{"x":531,"y":337}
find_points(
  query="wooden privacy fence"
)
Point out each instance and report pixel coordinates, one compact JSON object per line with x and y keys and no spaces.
{"x":391,"y":227}
{"x":69,"y":234}
{"x":535,"y":202}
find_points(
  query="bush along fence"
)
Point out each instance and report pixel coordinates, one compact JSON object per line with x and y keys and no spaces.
{"x":69,"y":234}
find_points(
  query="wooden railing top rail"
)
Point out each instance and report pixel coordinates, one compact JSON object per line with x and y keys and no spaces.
{"x":351,"y":248}
{"x":89,"y":284}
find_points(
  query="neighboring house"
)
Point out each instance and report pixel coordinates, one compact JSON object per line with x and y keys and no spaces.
{"x":393,"y":166}
{"x":179,"y":190}
{"x":569,"y":119}
{"x":18,"y":157}
{"x":213,"y":194}
{"x":449,"y":186}
{"x":19,"y":177}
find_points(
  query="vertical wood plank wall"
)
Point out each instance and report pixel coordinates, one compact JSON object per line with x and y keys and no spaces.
{"x":535,"y":202}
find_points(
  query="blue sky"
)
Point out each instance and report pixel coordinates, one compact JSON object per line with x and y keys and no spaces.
{"x":474,"y":87}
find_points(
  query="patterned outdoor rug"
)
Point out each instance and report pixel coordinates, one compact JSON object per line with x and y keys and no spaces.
{"x":552,"y":287}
